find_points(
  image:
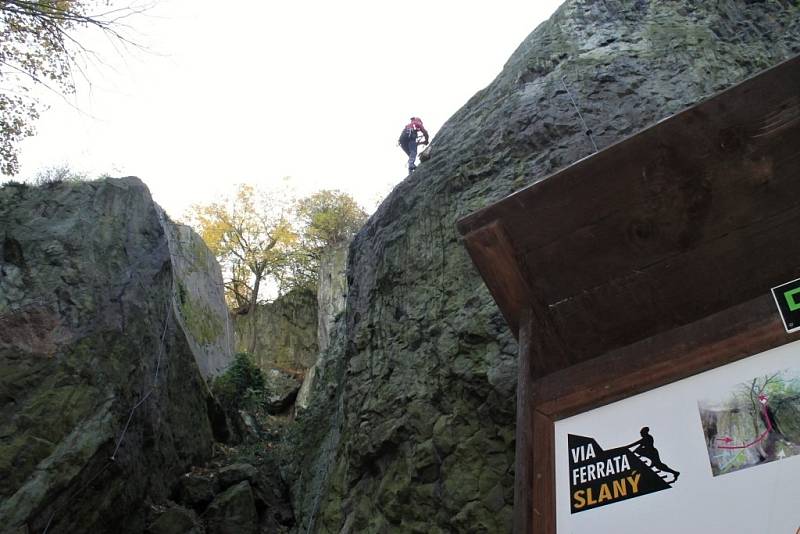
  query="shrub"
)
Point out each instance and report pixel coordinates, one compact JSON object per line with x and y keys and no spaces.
{"x":240,"y":384}
{"x":57,"y":175}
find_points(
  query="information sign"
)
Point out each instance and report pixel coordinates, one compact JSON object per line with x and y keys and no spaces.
{"x":715,"y":453}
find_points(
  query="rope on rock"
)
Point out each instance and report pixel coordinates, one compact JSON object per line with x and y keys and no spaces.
{"x":580,"y":116}
{"x":155,"y":384}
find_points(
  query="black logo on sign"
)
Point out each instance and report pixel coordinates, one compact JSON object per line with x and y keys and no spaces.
{"x":599,"y":477}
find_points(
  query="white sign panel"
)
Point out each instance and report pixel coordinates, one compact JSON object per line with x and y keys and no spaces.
{"x":717,"y":453}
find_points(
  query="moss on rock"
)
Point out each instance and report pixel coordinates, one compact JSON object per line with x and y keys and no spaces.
{"x":203,"y":324}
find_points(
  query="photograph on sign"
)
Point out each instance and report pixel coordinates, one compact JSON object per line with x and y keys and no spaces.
{"x":652,"y":462}
{"x":756,"y":422}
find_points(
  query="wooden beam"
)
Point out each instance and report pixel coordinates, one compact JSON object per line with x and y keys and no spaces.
{"x":711,"y":277}
{"x":493,"y":253}
{"x":727,"y":336}
{"x":540,"y":353}
{"x":682,"y":220}
{"x":684,"y":189}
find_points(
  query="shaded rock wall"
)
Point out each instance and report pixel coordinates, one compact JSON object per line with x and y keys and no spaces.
{"x":421,"y":392}
{"x":94,"y":361}
{"x":286,"y":329}
{"x":201,"y":299}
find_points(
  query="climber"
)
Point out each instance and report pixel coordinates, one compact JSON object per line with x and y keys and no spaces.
{"x":644,"y":448}
{"x":409,"y":140}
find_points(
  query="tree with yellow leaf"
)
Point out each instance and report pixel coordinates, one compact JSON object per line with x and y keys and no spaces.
{"x":252,"y":236}
{"x":268,"y":240}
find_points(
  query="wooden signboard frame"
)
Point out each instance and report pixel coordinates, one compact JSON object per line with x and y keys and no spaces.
{"x":647,"y":263}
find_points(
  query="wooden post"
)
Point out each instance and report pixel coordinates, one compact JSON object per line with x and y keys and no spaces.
{"x":523,"y":465}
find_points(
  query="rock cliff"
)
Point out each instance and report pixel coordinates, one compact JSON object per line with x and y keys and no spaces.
{"x":331,"y":291}
{"x":200,"y":306}
{"x":331,"y":300}
{"x":286,"y":331}
{"x":106,"y":333}
{"x":418,"y":393}
{"x":296,"y":327}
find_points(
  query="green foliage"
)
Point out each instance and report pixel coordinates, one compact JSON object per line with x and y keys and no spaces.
{"x":240,"y":385}
{"x":15,"y":184}
{"x":267,"y":243}
{"x":329,"y":217}
{"x":251,"y":235}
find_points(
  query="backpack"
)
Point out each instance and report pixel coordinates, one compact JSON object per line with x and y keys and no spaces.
{"x":407,"y":136}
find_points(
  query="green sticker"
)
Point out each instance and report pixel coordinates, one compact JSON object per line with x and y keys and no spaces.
{"x":787,"y":298}
{"x":790,"y":301}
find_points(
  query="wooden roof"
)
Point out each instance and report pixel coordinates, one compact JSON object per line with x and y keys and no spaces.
{"x":687,"y":218}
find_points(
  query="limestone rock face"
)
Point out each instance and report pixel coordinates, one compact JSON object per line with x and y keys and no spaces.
{"x":95,"y":362}
{"x":421,"y":393}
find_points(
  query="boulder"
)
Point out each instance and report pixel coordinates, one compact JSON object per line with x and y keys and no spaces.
{"x":281,"y":390}
{"x":233,"y":511}
{"x":196,"y":490}
{"x":176,"y":520}
{"x":236,"y":473}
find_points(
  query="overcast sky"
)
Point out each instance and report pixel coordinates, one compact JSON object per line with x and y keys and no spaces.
{"x":255,"y":91}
